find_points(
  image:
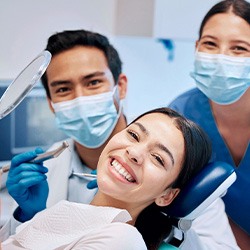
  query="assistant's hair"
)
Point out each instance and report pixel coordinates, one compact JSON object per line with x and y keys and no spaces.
{"x":152,"y":224}
{"x":240,"y":8}
{"x":69,"y":39}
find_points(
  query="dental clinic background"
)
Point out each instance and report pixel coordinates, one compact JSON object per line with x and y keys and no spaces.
{"x":155,"y":39}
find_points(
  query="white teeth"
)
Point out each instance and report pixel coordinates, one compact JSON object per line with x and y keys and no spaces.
{"x":122,"y":171}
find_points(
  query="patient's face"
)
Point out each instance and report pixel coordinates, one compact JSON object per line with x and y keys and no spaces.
{"x":140,"y":162}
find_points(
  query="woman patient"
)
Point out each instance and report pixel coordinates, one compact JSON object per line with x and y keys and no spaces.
{"x":141,"y":170}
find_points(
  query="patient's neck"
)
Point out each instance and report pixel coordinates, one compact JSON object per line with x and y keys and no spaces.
{"x":101,"y":199}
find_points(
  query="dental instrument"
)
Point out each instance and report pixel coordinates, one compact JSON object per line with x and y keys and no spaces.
{"x":41,"y":157}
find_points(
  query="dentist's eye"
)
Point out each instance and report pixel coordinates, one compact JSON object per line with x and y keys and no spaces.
{"x":133,"y":134}
{"x":62,"y":90}
{"x":93,"y":83}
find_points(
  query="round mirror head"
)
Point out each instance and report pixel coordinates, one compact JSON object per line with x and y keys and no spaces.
{"x":23,"y":83}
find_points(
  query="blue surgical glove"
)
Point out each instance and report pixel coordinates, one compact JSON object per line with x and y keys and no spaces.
{"x":92,"y":184}
{"x":27,"y":184}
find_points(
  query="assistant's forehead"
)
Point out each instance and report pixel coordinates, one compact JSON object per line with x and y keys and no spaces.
{"x":223,"y":23}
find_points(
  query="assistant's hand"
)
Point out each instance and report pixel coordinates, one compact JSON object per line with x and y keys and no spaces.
{"x":27,"y":184}
{"x":92,"y":184}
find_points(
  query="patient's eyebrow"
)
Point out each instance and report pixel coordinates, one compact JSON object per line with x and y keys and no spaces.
{"x":162,"y":147}
{"x":159,"y":145}
{"x":142,"y":128}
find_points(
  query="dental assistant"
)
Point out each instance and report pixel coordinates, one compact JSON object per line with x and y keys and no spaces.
{"x":221,"y":102}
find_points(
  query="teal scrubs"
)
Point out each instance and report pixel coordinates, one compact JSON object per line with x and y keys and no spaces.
{"x":194,"y":105}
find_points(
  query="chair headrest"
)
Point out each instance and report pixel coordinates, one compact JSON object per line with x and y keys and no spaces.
{"x":209,"y":184}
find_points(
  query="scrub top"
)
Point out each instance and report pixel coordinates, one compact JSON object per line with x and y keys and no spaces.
{"x":195,"y":106}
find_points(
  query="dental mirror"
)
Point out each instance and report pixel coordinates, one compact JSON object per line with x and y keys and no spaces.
{"x":23,"y":83}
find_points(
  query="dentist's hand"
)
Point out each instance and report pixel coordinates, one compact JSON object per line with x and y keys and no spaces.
{"x":27,"y":184}
{"x":92,"y":184}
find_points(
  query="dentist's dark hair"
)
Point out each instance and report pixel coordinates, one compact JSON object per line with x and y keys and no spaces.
{"x":197,"y":152}
{"x":240,"y":8}
{"x":69,"y":39}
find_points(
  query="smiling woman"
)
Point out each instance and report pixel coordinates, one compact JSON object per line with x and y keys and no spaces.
{"x":141,"y":170}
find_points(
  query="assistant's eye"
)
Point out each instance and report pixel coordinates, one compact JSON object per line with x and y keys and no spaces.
{"x":133,"y":134}
{"x":158,"y":159}
{"x":209,"y":43}
{"x":240,"y":50}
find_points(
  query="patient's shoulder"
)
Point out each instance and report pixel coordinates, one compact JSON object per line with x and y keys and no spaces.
{"x":117,"y":235}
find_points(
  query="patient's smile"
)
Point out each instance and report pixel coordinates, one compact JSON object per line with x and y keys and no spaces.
{"x":122,"y":171}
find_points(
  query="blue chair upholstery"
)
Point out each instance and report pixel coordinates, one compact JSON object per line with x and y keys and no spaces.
{"x":208,"y":185}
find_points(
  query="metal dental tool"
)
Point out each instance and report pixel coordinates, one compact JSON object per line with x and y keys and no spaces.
{"x":84,"y":175}
{"x":41,"y":157}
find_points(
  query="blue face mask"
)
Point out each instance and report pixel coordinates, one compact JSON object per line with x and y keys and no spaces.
{"x":223,"y":79}
{"x":89,"y":120}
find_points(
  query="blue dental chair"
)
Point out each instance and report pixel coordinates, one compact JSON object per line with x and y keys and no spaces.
{"x":208,"y":185}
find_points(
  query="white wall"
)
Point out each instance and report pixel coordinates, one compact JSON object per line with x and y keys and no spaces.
{"x":153,"y":80}
{"x":180,"y":19}
{"x":26,"y":25}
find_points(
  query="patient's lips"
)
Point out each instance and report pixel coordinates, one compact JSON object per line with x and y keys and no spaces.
{"x":122,"y":170}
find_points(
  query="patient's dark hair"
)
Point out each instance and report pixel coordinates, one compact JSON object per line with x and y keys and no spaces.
{"x":69,"y":39}
{"x":152,"y":224}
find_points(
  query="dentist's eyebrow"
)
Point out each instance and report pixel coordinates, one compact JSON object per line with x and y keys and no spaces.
{"x":57,"y":83}
{"x":95,"y":74}
{"x":89,"y":76}
{"x":159,"y":145}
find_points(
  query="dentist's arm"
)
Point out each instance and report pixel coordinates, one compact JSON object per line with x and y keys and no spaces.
{"x":27,"y":184}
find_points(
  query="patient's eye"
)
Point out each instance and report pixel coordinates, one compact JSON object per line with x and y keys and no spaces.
{"x":133,"y":134}
{"x":158,"y":159}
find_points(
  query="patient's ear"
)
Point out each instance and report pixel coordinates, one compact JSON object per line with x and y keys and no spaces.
{"x":167,"y":197}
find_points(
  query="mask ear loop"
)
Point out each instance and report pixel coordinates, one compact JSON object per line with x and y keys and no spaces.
{"x":197,"y":51}
{"x":117,"y":101}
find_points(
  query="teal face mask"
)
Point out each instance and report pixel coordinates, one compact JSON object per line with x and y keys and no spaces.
{"x":223,"y":79}
{"x":89,"y":120}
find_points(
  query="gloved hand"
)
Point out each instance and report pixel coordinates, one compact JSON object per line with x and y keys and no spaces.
{"x":92,"y":184}
{"x":27,"y":184}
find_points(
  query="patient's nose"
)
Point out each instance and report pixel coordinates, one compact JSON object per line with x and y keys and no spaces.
{"x":135,"y":154}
